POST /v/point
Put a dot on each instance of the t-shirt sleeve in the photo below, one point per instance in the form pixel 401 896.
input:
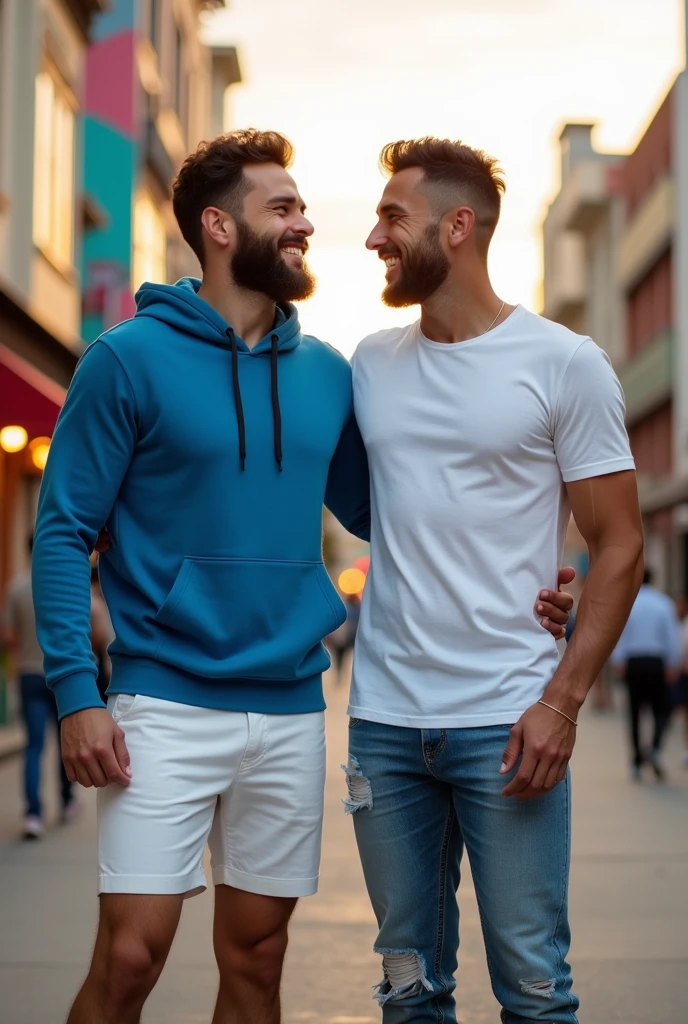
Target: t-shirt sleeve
pixel 589 432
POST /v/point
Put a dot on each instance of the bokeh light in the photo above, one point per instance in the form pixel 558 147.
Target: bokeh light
pixel 13 438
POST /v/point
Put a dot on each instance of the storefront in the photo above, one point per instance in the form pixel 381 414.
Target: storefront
pixel 35 370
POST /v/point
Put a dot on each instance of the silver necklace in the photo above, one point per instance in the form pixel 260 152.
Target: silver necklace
pixel 501 310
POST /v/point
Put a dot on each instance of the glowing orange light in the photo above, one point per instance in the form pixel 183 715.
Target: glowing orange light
pixel 13 439
pixel 352 581
pixel 39 448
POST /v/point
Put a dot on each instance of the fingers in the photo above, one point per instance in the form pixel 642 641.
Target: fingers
pixel 556 612
pixel 88 771
pixel 566 575
pixel 523 777
pixel 121 756
pixel 558 632
pixel 512 751
pixel 111 766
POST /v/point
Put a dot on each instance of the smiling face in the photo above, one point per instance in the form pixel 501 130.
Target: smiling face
pixel 272 236
pixel 407 238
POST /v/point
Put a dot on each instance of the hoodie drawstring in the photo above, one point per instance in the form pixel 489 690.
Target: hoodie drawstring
pixel 276 411
pixel 238 404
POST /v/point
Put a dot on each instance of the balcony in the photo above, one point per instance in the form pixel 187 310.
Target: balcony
pixel 647 377
pixel 648 234
pixel 565 289
pixel 584 195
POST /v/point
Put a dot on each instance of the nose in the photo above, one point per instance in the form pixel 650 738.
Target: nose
pixel 302 226
pixel 376 239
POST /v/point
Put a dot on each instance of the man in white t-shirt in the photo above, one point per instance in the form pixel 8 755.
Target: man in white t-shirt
pixel 485 427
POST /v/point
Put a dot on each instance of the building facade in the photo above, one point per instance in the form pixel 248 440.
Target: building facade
pixel 43 46
pixel 616 268
pixel 169 96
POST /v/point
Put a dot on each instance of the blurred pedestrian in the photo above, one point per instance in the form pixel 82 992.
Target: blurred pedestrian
pixel 679 691
pixel 648 657
pixel 38 707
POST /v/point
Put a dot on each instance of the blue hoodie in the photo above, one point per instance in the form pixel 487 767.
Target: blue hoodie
pixel 209 463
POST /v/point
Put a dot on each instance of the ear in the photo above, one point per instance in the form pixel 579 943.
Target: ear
pixel 219 226
pixel 460 225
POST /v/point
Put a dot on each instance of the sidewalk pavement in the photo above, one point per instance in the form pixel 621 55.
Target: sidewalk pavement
pixel 629 907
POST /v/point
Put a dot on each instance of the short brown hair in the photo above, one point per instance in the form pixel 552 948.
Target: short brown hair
pixel 214 176
pixel 451 170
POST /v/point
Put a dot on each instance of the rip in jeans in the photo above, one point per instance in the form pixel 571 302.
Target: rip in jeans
pixel 405 975
pixel 360 790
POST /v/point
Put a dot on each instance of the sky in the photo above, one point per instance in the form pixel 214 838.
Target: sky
pixel 341 79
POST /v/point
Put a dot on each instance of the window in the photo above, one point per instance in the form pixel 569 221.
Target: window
pixel 150 243
pixel 53 207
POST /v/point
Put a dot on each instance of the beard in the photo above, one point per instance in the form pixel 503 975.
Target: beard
pixel 422 271
pixel 258 266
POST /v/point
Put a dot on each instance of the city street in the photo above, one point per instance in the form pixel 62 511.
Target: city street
pixel 629 907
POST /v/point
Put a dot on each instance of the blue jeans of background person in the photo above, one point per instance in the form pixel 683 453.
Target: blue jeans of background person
pixel 418 797
pixel 38 709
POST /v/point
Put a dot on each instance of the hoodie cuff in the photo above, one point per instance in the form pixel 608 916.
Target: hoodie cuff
pixel 76 693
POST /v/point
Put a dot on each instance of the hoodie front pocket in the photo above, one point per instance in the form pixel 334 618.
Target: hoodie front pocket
pixel 249 618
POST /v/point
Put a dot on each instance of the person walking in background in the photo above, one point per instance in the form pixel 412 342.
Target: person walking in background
pixel 679 691
pixel 38 707
pixel 648 657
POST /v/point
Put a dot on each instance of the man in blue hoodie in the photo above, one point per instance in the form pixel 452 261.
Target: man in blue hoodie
pixel 205 434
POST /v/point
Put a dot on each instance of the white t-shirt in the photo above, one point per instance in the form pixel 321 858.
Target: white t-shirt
pixel 470 445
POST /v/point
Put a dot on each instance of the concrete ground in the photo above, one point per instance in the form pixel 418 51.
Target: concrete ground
pixel 629 907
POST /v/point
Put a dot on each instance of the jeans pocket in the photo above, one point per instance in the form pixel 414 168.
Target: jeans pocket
pixel 354 722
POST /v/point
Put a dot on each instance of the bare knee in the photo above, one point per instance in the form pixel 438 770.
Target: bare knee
pixel 133 941
pixel 259 963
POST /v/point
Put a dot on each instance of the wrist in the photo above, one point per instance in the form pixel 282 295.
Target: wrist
pixel 568 701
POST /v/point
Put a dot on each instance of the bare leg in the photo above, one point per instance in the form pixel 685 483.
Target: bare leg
pixel 250 937
pixel 134 937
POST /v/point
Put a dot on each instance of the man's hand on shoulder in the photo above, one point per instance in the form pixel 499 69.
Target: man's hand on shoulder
pixel 93 749
pixel 554 607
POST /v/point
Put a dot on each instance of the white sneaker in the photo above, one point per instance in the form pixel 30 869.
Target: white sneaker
pixel 33 827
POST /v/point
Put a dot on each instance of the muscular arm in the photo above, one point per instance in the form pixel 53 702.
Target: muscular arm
pixel 606 512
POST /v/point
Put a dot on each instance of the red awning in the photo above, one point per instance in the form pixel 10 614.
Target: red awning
pixel 28 398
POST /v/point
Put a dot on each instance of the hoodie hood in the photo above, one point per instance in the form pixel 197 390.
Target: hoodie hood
pixel 180 306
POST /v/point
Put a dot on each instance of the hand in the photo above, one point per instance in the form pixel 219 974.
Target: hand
pixel 103 543
pixel 555 606
pixel 93 749
pixel 545 739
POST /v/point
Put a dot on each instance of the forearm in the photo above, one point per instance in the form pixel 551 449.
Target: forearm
pixel 62 600
pixel 613 582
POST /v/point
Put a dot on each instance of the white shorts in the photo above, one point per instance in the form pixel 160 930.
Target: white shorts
pixel 251 786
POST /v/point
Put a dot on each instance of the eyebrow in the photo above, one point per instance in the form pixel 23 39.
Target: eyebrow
pixel 289 200
pixel 391 208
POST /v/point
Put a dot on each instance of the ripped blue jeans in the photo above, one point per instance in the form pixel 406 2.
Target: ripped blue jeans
pixel 417 798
